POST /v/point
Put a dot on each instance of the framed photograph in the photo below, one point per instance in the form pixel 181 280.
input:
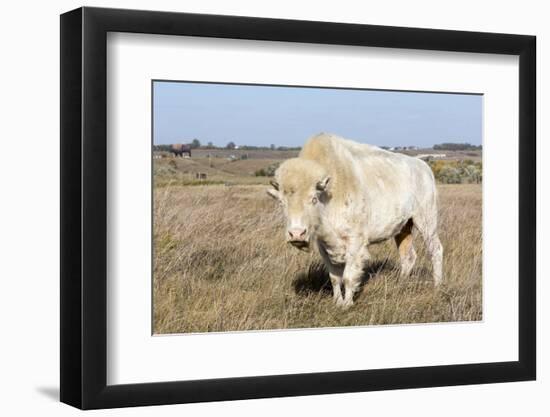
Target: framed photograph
pixel 258 208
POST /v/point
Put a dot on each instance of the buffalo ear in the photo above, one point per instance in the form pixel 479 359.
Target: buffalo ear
pixel 274 192
pixel 322 185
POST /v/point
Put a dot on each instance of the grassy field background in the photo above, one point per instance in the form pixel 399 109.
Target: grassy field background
pixel 221 264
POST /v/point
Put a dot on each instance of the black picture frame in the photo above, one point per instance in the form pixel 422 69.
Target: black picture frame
pixel 84 207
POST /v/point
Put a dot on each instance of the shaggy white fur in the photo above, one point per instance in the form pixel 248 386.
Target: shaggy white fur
pixel 344 196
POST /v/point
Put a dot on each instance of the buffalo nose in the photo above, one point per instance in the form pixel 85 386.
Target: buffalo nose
pixel 297 233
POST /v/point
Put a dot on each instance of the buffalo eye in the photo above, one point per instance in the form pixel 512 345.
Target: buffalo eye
pixel 314 200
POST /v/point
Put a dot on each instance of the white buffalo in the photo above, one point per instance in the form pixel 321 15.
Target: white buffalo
pixel 344 196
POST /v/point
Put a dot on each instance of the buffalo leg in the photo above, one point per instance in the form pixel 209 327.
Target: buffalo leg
pixel 353 273
pixel 407 254
pixel 427 226
pixel 436 252
pixel 335 273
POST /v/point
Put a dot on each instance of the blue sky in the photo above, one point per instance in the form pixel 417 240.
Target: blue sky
pixel 287 116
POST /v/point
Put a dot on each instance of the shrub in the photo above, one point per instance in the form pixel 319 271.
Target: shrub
pixel 268 171
pixel 457 172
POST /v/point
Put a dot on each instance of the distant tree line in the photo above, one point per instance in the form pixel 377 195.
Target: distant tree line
pixel 162 148
pixel 271 147
pixel 456 147
pixel 195 144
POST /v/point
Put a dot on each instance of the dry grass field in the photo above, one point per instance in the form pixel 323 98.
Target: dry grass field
pixel 221 263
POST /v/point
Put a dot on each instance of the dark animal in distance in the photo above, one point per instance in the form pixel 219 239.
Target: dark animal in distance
pixel 179 149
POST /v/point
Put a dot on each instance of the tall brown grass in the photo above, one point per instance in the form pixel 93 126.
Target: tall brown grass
pixel 221 264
